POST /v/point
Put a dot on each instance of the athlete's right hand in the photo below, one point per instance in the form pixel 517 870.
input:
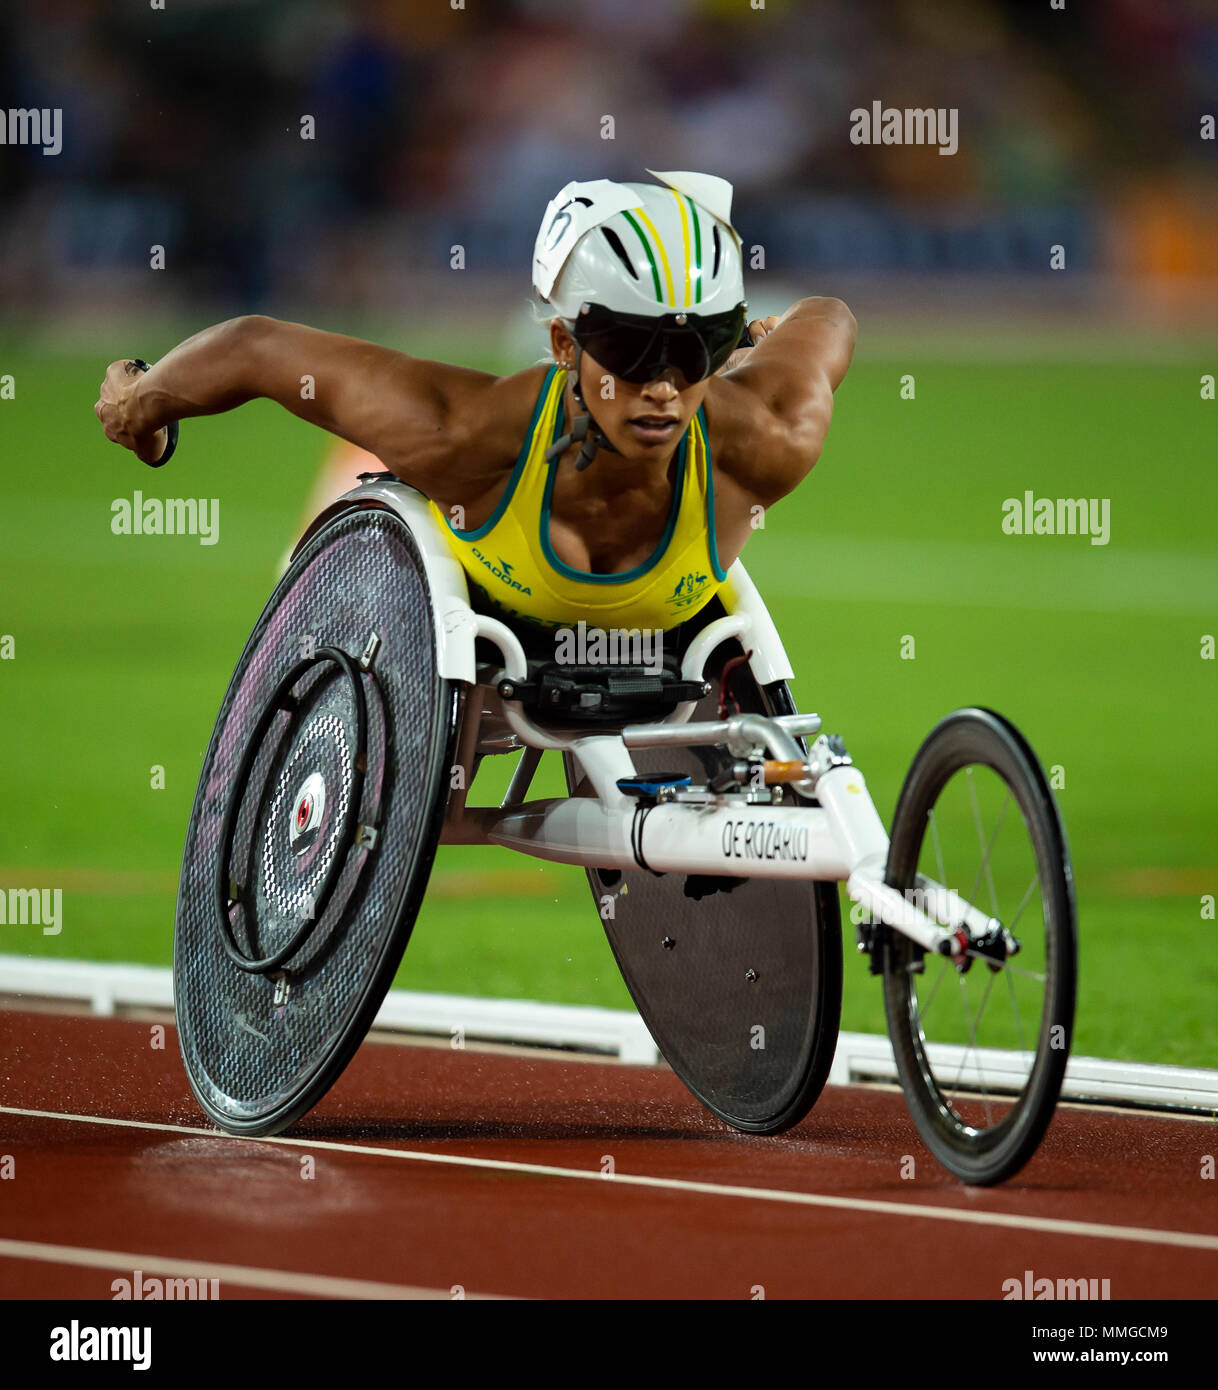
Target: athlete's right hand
pixel 119 419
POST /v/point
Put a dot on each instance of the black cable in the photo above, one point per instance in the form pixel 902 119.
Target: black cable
pixel 641 812
pixel 583 428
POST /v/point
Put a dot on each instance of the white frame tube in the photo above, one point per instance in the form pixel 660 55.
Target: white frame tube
pixel 842 839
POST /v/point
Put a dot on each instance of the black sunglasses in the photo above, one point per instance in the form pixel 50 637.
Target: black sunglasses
pixel 638 349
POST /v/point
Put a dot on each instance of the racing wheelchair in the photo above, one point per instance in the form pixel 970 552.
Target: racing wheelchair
pixel 714 822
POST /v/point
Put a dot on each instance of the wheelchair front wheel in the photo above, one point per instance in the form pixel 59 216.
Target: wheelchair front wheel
pixel 981 1039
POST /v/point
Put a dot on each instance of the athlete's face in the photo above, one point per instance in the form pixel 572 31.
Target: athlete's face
pixel 646 422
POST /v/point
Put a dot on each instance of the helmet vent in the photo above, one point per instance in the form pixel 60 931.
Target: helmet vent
pixel 715 265
pixel 615 243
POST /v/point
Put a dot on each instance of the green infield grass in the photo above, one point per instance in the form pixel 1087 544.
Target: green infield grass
pixel 898 594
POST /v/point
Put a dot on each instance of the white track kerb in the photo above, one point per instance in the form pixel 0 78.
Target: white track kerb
pixel 109 990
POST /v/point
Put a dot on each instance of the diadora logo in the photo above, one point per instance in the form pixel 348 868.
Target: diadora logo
pixel 689 586
pixel 502 570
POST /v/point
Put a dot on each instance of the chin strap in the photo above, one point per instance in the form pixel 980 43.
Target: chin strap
pixel 584 429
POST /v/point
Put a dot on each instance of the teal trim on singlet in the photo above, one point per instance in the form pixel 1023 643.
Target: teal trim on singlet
pixel 712 539
pixel 587 576
pixel 521 459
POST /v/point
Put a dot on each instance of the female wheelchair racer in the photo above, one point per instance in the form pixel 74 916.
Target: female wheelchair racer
pixel 645 276
pixel 693 431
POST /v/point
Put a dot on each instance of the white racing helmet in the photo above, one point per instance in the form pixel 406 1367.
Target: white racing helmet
pixel 659 248
pixel 645 276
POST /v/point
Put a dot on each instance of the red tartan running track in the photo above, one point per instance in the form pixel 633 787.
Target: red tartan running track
pixel 433 1169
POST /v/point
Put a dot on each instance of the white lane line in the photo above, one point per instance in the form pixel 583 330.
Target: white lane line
pixel 281 1280
pixel 1051 1225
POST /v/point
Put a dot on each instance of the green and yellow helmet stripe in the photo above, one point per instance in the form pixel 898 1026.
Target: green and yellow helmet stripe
pixel 684 243
pixel 693 214
pixel 692 264
pixel 651 227
pixel 655 273
pixel 659 245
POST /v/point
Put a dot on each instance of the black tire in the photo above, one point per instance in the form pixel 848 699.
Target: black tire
pixel 948 1111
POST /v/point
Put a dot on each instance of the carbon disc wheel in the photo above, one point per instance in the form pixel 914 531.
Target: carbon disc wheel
pixel 739 981
pixel 314 826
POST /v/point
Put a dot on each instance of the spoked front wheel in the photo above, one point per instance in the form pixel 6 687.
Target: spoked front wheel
pixel 981 1037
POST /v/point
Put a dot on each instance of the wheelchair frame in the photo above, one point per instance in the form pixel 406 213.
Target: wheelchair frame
pixel 836 835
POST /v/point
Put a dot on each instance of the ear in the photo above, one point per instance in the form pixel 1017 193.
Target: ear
pixel 562 345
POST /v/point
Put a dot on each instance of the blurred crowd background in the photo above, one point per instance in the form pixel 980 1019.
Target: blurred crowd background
pixel 437 127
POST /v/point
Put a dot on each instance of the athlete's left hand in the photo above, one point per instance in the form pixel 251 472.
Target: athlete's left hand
pixel 758 330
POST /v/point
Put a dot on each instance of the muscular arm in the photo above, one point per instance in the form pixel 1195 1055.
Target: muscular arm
pixel 779 400
pixel 414 415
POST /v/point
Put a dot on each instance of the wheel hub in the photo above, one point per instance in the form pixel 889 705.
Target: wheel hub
pixel 307 817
